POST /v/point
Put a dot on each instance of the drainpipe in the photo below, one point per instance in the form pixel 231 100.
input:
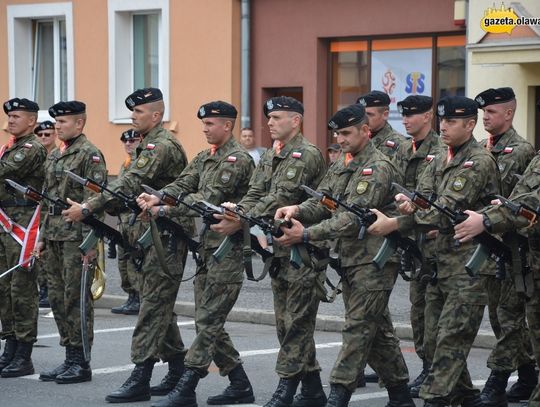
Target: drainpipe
pixel 245 102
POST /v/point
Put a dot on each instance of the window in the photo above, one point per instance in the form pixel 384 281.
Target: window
pixel 138 52
pixel 40 49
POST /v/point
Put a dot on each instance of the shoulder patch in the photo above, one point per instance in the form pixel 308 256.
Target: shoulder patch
pixel 508 150
pixel 362 187
pixel 430 157
pixel 390 143
pixel 150 146
pixel 19 156
pixel 231 159
pixel 367 171
pixel 142 161
pixel 296 154
pixel 96 159
pixel 468 164
pixel 291 173
pixel 27 145
pixel 459 183
pixel 226 176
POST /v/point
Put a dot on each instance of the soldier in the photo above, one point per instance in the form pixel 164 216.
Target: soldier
pixel 22 160
pixel 362 176
pixel 129 275
pixel 466 177
pixel 160 159
pixel 275 183
pixel 61 242
pixel 506 309
pixel 411 158
pixel 499 219
pixel 216 175
pixel 334 151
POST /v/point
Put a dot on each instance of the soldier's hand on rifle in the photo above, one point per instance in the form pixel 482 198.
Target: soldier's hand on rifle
pixel 496 202
pixel 287 212
pixel 75 212
pixel 470 227
pixel 227 226
pixel 405 206
pixel 292 235
pixel 147 201
pixel 383 225
pixel 229 205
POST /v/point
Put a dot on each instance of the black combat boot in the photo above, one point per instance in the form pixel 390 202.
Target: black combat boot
pixel 527 381
pixel 176 368
pixel 474 400
pixel 44 296
pixel 184 393
pixel 285 391
pixel 361 380
pixel 435 403
pixel 371 377
pixel 399 396
pixel 414 386
pixel 136 387
pixel 132 307
pixel 121 309
pixel 311 392
pixel 21 365
pixel 238 392
pixel 50 375
pixel 79 371
pixel 339 396
pixel 494 392
pixel 9 352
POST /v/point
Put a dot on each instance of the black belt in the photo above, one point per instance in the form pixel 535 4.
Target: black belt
pixel 55 210
pixel 13 203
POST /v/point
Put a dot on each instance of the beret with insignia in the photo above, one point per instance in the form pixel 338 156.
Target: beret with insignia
pixel 67 108
pixel 17 104
pixel 143 96
pixel 334 147
pixel 415 104
pixel 217 109
pixel 46 125
pixel 129 135
pixel 346 117
pixel 283 103
pixel 373 99
pixel 493 96
pixel 456 107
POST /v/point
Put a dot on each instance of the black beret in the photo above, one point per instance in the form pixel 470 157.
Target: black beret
pixel 283 103
pixel 334 147
pixel 129 134
pixel 456 107
pixel 143 96
pixel 493 96
pixel 348 116
pixel 217 109
pixel 16 104
pixel 67 108
pixel 46 125
pixel 373 99
pixel 415 104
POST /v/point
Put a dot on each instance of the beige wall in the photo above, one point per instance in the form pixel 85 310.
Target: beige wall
pixel 204 65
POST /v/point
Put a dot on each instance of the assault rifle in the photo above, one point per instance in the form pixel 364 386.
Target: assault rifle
pixel 488 245
pixel 99 229
pixel 393 242
pixel 521 210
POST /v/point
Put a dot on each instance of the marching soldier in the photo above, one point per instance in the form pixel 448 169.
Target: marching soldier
pixel 61 242
pixel 362 176
pixel 275 183
pixel 216 175
pixel 20 159
pixel 160 159
pixel 506 309
pixel 466 177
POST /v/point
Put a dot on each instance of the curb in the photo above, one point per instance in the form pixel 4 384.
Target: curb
pixel 484 339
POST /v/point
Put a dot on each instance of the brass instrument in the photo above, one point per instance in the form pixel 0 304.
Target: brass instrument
pixel 100 278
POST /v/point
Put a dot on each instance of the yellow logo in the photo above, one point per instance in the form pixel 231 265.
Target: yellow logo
pixel 502 20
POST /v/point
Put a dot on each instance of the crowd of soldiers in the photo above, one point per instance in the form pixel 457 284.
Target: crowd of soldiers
pixel 455 171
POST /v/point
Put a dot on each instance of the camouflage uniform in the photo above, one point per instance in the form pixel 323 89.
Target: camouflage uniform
pixel 23 163
pixel 222 177
pixel 454 302
pixel 411 164
pixel 274 184
pixel 506 308
pixel 63 261
pixel 367 334
pixel 387 140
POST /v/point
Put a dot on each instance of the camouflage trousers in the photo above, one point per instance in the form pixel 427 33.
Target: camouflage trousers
pixel 297 296
pixel 129 275
pixel 41 271
pixel 417 297
pixel 156 335
pixel 454 310
pixel 217 286
pixel 507 318
pixel 18 294
pixel 368 334
pixel 64 271
pixel 533 319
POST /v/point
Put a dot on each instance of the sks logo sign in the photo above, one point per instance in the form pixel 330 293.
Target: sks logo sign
pixel 415 83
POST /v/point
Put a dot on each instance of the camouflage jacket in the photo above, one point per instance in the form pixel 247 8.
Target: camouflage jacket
pixel 387 140
pixel 469 181
pixel 366 182
pixel 513 153
pixel 84 159
pixel 218 178
pixel 22 163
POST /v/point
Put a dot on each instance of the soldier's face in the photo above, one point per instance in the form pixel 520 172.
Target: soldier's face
pixel 283 124
pixel 46 137
pixel 377 117
pixel 21 123
pixel 216 130
pixel 415 124
pixel 496 117
pixel 455 132
pixel 333 155
pixel 353 139
pixel 68 127
pixel 143 118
